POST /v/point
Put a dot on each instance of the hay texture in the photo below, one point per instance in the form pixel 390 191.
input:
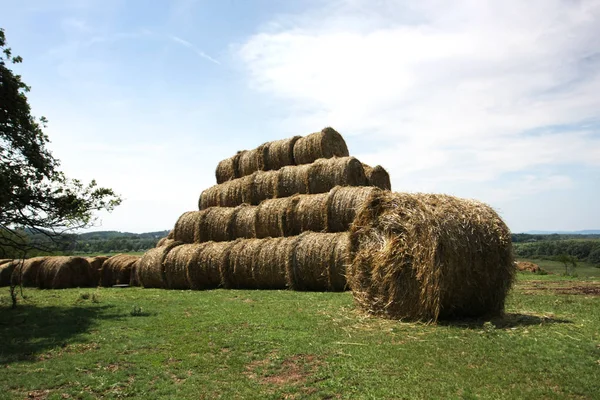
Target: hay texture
pixel 117 270
pixel 175 265
pixel 343 204
pixel 26 273
pixel 252 160
pixel 325 144
pixel 6 270
pixel 377 176
pixel 272 217
pixel 187 227
pixel 325 174
pixel 292 180
pixel 241 264
pixel 307 213
pixel 64 273
pixel 151 273
pixel 208 265
pixel 243 222
pixel 424 257
pixel 133 276
pixel 96 268
pixel 280 153
pixel 228 169
pixel 318 261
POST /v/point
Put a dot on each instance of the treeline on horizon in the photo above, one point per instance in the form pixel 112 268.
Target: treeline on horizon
pixel 584 248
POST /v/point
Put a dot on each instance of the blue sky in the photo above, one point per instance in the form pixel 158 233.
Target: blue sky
pixel 497 102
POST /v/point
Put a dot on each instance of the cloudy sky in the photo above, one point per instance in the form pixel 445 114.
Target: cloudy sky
pixel 497 101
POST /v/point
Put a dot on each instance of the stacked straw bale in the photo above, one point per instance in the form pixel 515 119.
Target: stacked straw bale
pixel 96 268
pixel 64 273
pixel 117 270
pixel 425 256
pixel 377 176
pixel 26 273
pixel 150 270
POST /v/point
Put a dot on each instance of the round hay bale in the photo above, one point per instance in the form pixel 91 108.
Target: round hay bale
pixel 26 274
pixel 187 227
pixel 176 265
pixel 151 273
pixel 236 192
pixel 272 217
pixel 313 261
pixel 377 176
pixel 5 261
pixel 325 144
pixel 117 270
pixel 133 276
pixel 211 197
pixel 64 273
pixel 341 259
pixel 280 153
pixel 325 174
pixel 96 268
pixel 264 186
pixel 242 224
pixel 228 169
pixel 241 263
pixel 309 214
pixel 292 180
pixel 421 256
pixel 208 268
pixel 251 161
pixel 343 203
pixel 269 266
pixel 216 224
pixel 6 270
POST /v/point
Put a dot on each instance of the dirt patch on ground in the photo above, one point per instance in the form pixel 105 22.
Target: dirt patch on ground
pixel 294 370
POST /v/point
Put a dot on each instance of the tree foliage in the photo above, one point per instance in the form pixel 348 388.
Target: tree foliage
pixel 34 194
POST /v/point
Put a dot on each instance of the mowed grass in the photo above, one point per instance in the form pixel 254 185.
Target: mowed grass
pixel 144 343
pixel 583 269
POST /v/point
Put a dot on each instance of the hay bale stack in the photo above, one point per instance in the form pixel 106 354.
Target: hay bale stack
pixel 377 176
pixel 187 227
pixel 343 204
pixel 133 276
pixel 208 267
pixel 228 169
pixel 325 174
pixel 421 256
pixel 64 273
pixel 151 273
pixel 318 261
pixel 309 213
pixel 215 224
pixel 176 264
pixel 117 270
pixel 280 153
pixel 262 186
pixel 96 268
pixel 325 144
pixel 251 161
pixel 269 265
pixel 292 180
pixel 241 264
pixel 243 222
pixel 26 274
pixel 6 270
pixel 272 217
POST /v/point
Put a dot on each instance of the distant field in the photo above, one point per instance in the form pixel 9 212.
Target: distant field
pixel 146 343
pixel 583 269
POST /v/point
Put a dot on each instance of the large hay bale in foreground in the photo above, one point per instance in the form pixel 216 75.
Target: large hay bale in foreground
pixel 319 261
pixel 325 144
pixel 96 268
pixel 377 176
pixel 133 276
pixel 151 272
pixel 240 264
pixel 117 270
pixel 26 274
pixel 6 270
pixel 64 273
pixel 422 256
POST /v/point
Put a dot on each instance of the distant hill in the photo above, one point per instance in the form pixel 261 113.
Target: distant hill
pixel 584 232
pixel 117 234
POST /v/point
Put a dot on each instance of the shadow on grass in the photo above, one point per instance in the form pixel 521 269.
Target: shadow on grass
pixel 29 330
pixel 508 320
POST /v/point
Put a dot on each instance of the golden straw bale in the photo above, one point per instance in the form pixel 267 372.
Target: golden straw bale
pixel 263 186
pixel 133 276
pixel 208 269
pixel 26 273
pixel 241 262
pixel 377 176
pixel 425 256
pixel 280 153
pixel 151 272
pixel 176 265
pixel 325 174
pixel 242 224
pixel 269 266
pixel 211 197
pixel 343 203
pixel 64 273
pixel 117 270
pixel 272 217
pixel 6 270
pixel 341 259
pixel 325 144
pixel 309 214
pixel 292 180
pixel 96 268
pixel 215 225
pixel 187 227
pixel 228 169
pixel 251 161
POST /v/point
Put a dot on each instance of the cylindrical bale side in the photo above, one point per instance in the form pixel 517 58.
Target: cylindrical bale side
pixel 263 187
pixel 272 217
pixel 133 276
pixel 96 268
pixel 6 270
pixel 280 153
pixel 251 161
pixel 309 214
pixel 151 272
pixel 343 203
pixel 228 169
pixel 176 264
pixel 216 225
pixel 187 227
pixel 424 257
pixel 208 269
pixel 211 197
pixel 341 258
pixel 243 222
pixel 242 258
pixel 26 273
pixel 269 267
pixel 64 273
pixel 325 144
pixel 377 176
pixel 117 270
pixel 325 174
pixel 292 180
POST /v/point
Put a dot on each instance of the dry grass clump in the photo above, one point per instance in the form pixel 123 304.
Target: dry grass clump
pixel 308 213
pixel 150 267
pixel 272 217
pixel 343 203
pixel 422 256
pixel 96 268
pixel 26 274
pixel 228 169
pixel 117 270
pixel 377 176
pixel 325 174
pixel 207 270
pixel 318 262
pixel 325 144
pixel 63 273
pixel 280 153
pixel 6 270
pixel 176 264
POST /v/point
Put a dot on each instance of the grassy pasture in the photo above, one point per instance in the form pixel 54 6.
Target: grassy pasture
pixel 583 270
pixel 144 343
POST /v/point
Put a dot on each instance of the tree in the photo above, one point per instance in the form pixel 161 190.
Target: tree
pixel 36 198
pixel 568 261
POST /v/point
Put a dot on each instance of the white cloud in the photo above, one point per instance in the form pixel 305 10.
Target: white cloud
pixel 467 91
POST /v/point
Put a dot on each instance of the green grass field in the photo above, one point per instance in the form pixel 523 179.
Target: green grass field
pixel 144 343
pixel 583 269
